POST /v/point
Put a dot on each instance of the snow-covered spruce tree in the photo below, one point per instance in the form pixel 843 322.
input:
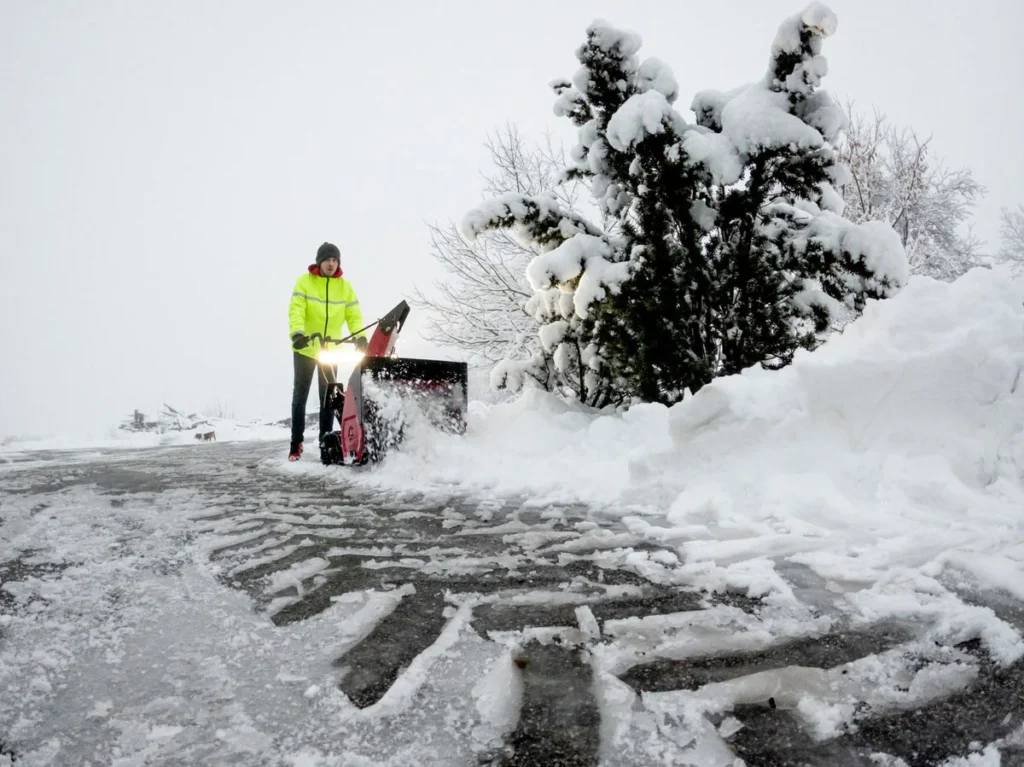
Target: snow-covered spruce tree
pixel 895 177
pixel 485 306
pixel 728 248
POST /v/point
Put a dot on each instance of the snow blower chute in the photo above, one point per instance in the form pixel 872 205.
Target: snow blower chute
pixel 382 392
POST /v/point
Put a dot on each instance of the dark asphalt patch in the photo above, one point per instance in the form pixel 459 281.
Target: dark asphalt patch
pixel 372 666
pixel 511 617
pixel 22 569
pixel 826 652
pixel 559 720
pixel 987 711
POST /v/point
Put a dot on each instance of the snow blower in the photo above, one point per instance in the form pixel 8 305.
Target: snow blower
pixel 383 389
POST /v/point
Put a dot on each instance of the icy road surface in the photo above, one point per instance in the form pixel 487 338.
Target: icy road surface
pixel 204 605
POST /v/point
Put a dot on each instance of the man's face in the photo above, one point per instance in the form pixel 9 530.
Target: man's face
pixel 329 266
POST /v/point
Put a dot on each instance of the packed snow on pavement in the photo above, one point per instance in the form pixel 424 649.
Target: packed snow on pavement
pixel 876 480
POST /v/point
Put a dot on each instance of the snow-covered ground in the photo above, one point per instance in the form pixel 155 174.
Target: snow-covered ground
pixel 225 429
pixel 876 481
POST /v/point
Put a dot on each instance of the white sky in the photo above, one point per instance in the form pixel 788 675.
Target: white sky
pixel 168 169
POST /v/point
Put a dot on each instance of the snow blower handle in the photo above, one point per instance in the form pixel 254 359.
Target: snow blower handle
pixel 349 339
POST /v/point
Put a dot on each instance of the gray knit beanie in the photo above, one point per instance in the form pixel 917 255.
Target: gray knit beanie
pixel 325 251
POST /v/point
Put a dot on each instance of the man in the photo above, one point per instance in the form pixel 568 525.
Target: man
pixel 322 301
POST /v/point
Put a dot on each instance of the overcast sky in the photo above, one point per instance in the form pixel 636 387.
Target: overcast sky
pixel 168 169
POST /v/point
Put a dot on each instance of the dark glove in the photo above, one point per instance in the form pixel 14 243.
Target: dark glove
pixel 361 344
pixel 300 341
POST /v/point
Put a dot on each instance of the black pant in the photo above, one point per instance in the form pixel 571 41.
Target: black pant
pixel 305 367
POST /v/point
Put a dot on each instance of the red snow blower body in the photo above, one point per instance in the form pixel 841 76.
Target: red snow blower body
pixel 384 390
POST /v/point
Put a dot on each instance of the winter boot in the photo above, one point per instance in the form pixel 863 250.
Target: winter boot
pixel 295 453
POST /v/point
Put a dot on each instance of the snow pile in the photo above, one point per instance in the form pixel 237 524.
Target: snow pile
pixel 899 444
pixel 931 374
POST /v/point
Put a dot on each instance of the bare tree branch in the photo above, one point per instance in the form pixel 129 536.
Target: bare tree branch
pixel 482 306
pixel 1011 232
pixel 896 178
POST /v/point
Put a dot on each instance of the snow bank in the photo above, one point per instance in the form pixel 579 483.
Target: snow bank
pixel 931 375
pixel 537 444
pixel 927 378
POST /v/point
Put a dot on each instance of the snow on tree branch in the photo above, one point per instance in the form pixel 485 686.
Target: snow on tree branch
pixel 643 114
pixel 871 251
pixel 759 119
pixel 542 219
pixel 656 75
pixel 796 66
pixel 586 260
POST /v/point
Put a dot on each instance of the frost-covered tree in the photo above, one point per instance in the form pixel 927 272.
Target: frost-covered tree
pixel 728 248
pixel 1011 232
pixel 895 177
pixel 486 306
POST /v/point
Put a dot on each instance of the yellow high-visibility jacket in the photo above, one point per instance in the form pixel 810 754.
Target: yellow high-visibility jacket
pixel 321 305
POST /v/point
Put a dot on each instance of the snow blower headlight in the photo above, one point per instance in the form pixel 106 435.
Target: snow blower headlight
pixel 341 356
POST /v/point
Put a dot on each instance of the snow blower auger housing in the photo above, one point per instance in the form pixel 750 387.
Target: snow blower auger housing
pixel 372 410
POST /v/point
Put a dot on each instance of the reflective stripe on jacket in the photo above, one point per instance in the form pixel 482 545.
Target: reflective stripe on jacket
pixel 322 305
